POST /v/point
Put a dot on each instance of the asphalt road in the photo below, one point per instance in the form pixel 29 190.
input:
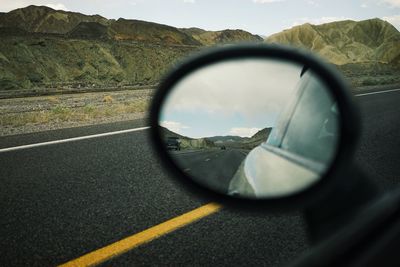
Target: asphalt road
pixel 378 151
pixel 211 167
pixel 61 201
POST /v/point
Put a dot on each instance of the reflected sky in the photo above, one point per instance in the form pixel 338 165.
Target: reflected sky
pixel 236 97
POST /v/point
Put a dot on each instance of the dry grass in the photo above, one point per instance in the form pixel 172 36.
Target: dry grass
pixel 79 114
pixel 53 99
pixel 108 99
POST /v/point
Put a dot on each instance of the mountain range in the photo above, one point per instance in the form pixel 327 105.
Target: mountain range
pixel 42 19
pixel 345 42
pixel 43 47
pixel 232 141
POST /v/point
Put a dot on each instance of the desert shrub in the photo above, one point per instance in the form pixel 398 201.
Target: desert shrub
pixel 80 63
pixel 7 84
pixel 35 77
pixel 53 99
pixel 89 108
pixel 369 81
pixel 60 110
pixel 108 99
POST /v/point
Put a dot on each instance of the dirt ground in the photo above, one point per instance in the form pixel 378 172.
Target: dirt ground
pixel 42 113
pixel 33 114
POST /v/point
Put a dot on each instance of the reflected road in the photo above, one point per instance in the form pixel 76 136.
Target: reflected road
pixel 212 167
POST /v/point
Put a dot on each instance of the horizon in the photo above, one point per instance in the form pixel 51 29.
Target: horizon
pixel 251 20
pixel 263 36
pixel 212 136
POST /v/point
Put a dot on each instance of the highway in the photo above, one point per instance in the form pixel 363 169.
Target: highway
pixel 211 167
pixel 63 200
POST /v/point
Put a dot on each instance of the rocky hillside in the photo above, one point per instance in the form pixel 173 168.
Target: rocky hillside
pixel 346 42
pixel 143 31
pixel 187 142
pixel 41 19
pixel 56 62
pixel 366 52
pixel 242 142
pixel 261 135
pixel 43 47
pixel 221 37
pixel 251 142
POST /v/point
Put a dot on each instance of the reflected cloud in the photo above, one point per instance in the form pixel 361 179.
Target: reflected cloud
pixel 242 87
pixel 244 132
pixel 174 126
pixel 235 97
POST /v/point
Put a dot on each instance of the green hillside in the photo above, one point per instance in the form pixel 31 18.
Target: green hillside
pixel 221 37
pixel 143 31
pixel 187 142
pixel 38 61
pixel 367 52
pixel 41 19
pixel 43 47
pixel 346 42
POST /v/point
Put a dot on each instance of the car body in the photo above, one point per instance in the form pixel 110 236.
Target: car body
pixel 298 149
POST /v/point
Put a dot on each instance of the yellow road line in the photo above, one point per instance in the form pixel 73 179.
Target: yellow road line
pixel 119 247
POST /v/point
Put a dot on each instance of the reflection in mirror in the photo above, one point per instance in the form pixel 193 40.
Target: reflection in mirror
pixel 251 128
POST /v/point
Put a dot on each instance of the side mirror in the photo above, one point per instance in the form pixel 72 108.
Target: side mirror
pixel 255 123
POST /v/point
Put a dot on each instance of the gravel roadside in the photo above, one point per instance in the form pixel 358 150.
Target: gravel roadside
pixel 35 114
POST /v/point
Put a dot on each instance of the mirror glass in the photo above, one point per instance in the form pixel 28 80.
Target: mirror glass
pixel 251 128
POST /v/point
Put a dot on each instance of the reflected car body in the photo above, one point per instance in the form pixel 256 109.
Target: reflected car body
pixel 297 151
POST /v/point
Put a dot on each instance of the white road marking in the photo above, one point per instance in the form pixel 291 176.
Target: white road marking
pixel 72 139
pixel 379 92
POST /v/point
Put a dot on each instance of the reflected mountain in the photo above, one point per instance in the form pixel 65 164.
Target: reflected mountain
pixel 187 143
pixel 217 142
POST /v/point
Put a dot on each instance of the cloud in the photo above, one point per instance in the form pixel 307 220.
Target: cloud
pixel 394 20
pixel 267 1
pixel 7 6
pixel 364 5
pixel 189 1
pixel 392 3
pixel 174 126
pixel 57 6
pixel 312 3
pixel 317 21
pixel 236 96
pixel 244 132
pixel 249 88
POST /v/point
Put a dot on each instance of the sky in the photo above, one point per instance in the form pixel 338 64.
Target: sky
pixel 238 97
pixel 263 17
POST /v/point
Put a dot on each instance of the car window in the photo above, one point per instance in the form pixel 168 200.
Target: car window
pixel 278 131
pixel 316 141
